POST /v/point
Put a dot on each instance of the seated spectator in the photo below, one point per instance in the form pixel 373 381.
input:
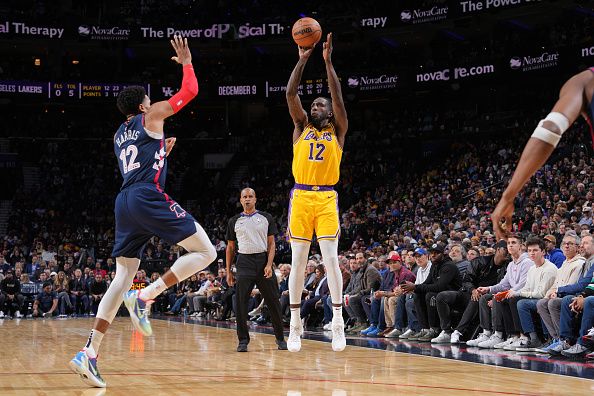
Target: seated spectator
pixel 405 308
pixel 354 288
pixel 11 299
pixel 384 301
pixel 583 302
pixel 46 303
pixel 370 280
pixel 554 254
pixel 97 290
pixel 539 279
pixel 62 288
pixel 444 275
pixel 515 279
pixel 549 308
pixel 196 294
pixel 317 289
pixel 78 289
pixel 481 272
pixel 458 256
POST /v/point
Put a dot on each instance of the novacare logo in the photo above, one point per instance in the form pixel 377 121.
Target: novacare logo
pixel 527 63
pixel 101 33
pixel 418 15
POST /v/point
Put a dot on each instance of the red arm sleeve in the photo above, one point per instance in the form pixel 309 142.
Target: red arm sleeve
pixel 188 91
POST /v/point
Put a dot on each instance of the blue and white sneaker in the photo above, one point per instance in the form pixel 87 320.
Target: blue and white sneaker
pixel 139 311
pixel 86 367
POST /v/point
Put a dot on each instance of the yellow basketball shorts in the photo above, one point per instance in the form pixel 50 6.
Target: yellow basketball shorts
pixel 313 211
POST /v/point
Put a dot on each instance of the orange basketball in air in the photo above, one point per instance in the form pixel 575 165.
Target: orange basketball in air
pixel 306 32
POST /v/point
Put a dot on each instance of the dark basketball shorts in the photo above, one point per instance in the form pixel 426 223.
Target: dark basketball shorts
pixel 142 211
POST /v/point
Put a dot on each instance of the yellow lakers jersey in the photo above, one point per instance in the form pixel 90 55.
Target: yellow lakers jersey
pixel 316 156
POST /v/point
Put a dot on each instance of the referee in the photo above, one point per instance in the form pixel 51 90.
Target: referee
pixel 254 233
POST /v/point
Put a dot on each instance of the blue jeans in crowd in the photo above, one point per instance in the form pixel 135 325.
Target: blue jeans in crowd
pixel 376 314
pixel 566 323
pixel 405 312
pixel 526 310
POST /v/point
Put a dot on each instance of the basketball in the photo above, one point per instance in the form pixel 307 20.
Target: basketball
pixel 306 32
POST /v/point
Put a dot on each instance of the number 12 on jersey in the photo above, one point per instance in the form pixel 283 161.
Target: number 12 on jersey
pixel 319 148
pixel 131 151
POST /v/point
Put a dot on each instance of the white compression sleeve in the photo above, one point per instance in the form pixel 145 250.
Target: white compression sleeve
pixel 299 252
pixel 201 254
pixel 548 136
pixel 329 251
pixel 110 303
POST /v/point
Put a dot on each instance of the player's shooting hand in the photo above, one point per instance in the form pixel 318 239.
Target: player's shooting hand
pixel 305 52
pixel 180 45
pixel 327 52
pixel 502 217
pixel 169 143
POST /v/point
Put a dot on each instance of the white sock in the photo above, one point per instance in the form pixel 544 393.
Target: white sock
pixel 487 333
pixel 329 250
pixel 93 343
pixel 499 334
pixel 295 316
pixel 153 290
pixel 299 252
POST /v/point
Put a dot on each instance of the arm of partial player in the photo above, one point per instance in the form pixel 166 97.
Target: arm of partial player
pixel 341 121
pixel 159 111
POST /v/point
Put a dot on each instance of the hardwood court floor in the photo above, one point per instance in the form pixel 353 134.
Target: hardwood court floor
pixel 185 359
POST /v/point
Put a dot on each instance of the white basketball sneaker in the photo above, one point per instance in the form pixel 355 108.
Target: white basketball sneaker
pixel 294 340
pixel 338 338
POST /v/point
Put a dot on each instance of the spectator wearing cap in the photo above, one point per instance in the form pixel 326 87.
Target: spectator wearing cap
pixel 482 271
pixel 514 279
pixel 405 307
pixel 46 302
pixel 390 297
pixel 553 254
pixel 444 276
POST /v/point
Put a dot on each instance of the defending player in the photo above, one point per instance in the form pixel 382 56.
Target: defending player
pixel 575 98
pixel 317 151
pixel 143 209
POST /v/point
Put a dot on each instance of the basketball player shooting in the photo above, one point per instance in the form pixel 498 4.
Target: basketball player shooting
pixel 575 98
pixel 313 207
pixel 143 209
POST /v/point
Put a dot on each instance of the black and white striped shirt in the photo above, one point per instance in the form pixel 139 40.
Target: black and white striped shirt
pixel 251 231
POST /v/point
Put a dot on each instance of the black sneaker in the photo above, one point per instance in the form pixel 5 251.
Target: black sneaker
pixel 242 348
pixel 282 345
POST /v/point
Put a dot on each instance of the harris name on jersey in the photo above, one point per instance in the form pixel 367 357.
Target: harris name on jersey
pixel 128 134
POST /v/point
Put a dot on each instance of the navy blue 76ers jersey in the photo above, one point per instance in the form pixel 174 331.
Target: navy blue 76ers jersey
pixel 141 158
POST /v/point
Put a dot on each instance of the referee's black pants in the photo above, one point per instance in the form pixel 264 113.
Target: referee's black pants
pixel 250 272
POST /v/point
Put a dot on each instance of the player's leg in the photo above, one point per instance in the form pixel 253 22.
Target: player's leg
pixel 85 362
pixel 200 254
pixel 300 232
pixel 327 227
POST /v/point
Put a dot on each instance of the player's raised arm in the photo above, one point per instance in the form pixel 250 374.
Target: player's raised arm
pixel 540 146
pixel 296 110
pixel 189 88
pixel 341 121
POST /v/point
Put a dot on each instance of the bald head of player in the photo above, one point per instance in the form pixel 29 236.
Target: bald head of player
pixel 321 112
pixel 133 100
pixel 248 200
